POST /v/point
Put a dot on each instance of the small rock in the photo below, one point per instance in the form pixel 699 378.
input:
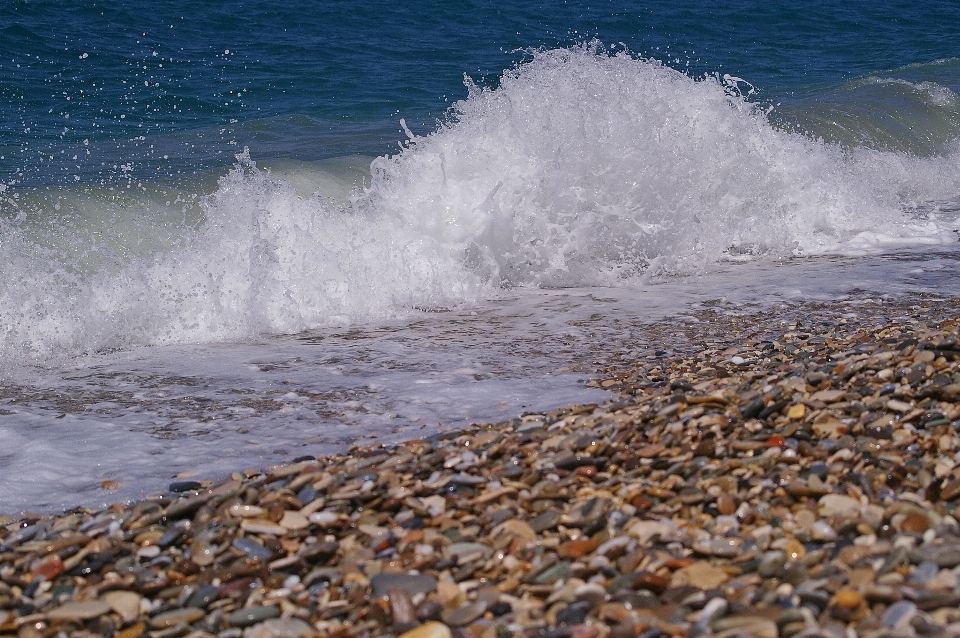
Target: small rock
pixel 240 510
pixel 578 548
pixel 176 617
pixel 560 571
pixel 831 504
pixel 701 574
pixel 280 628
pixel 125 603
pixel 204 595
pixel 432 629
pixel 402 610
pixel 915 524
pixel 590 593
pixel 848 598
pixel 944 555
pixel 79 611
pixel 185 486
pixel 463 615
pixel 411 583
pixel 650 451
pixel 256 526
pixel 294 520
pixel 251 615
pixel 726 505
pixel 547 519
pixel 899 614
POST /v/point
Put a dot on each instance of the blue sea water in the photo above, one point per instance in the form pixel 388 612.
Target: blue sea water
pixel 178 86
pixel 183 185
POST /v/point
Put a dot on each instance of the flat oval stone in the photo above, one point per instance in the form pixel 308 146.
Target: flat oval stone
pixel 822 531
pixel 547 519
pixel 432 629
pixel 323 518
pixel 460 550
pixel 946 555
pixel 463 615
pixel 923 573
pixel 831 504
pixel 202 552
pixel 915 524
pixel 590 593
pixel 402 610
pixel 579 547
pixel 205 595
pixel 251 616
pixel 899 614
pixel 262 527
pixel 280 628
pixel 467 479
pixel 560 571
pixel 411 583
pixel 250 548
pixel 722 547
pixel 185 486
pixel 240 510
pixel 125 603
pixel 848 598
pixel 176 617
pixel 294 520
pixel 79 611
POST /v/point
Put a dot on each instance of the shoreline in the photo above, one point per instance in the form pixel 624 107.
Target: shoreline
pixel 788 472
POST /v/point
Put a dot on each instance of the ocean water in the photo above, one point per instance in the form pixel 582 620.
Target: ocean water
pixel 232 234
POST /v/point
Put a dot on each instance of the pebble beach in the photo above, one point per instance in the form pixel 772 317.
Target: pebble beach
pixel 782 472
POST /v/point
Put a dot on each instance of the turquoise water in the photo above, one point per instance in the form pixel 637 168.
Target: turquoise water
pixel 235 232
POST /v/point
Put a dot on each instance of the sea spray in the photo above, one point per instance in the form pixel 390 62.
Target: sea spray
pixel 581 168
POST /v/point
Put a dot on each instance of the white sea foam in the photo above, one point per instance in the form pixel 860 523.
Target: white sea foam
pixel 580 169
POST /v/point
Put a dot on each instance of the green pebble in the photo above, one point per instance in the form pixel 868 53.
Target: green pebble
pixel 247 617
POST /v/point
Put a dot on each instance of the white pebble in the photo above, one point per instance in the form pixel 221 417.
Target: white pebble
pixel 324 518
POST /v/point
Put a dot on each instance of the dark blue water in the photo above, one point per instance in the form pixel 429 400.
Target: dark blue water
pixel 100 91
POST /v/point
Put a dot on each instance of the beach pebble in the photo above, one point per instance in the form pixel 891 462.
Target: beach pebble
pixel 78 611
pixel 252 615
pixel 382 583
pixel 176 617
pixel 899 614
pixel 280 628
pixel 125 603
pixel 431 629
pixel 705 506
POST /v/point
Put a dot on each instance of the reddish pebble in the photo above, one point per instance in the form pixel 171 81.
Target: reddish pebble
pixel 188 568
pixel 848 598
pixel 236 586
pixel 587 470
pixel 776 441
pixel 915 524
pixel 654 582
pixel 584 631
pixel 650 451
pixel 726 505
pixel 49 567
pixel 577 548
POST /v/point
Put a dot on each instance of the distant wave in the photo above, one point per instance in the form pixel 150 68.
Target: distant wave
pixel 914 109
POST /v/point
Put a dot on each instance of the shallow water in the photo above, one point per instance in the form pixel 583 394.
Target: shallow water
pixel 140 418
